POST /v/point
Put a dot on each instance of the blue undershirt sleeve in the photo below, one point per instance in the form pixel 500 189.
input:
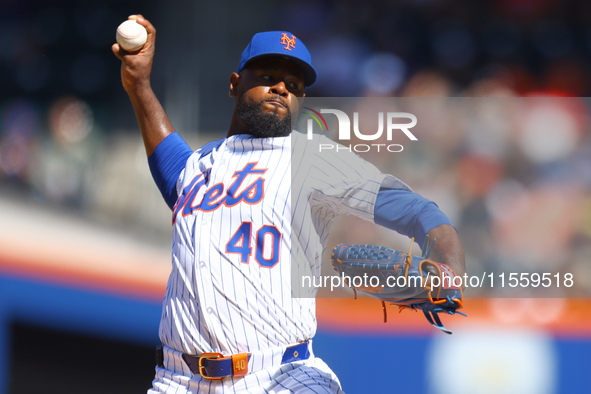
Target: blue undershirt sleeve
pixel 166 164
pixel 407 213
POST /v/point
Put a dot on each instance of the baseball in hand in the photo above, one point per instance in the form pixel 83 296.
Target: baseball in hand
pixel 131 36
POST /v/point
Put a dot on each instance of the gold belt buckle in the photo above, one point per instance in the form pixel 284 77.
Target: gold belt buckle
pixel 202 358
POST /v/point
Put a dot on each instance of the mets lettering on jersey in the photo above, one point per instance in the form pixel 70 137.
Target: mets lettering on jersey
pixel 214 196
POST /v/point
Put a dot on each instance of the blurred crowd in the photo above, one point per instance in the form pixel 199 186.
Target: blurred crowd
pixel 509 169
pixel 445 47
pixel 50 155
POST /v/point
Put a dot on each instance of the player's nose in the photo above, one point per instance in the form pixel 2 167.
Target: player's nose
pixel 280 89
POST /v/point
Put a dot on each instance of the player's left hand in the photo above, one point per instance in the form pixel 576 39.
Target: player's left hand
pixel 425 285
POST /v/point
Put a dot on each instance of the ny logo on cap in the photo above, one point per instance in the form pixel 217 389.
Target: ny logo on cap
pixel 288 42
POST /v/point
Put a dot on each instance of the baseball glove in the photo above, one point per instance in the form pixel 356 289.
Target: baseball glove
pixel 400 278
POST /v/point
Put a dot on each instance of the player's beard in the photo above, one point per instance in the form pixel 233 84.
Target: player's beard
pixel 262 124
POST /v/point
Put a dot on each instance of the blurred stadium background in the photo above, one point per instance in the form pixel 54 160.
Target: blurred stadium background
pixel 85 237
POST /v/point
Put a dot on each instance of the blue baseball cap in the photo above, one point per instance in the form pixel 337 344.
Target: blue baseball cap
pixel 283 44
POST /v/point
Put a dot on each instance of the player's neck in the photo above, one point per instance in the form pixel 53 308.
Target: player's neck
pixel 236 126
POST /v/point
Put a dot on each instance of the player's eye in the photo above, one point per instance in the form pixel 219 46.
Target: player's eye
pixel 267 77
pixel 295 87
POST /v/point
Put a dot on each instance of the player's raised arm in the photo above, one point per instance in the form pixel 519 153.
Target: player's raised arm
pixel 166 156
pixel 135 77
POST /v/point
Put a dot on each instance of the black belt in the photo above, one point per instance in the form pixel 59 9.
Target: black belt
pixel 215 366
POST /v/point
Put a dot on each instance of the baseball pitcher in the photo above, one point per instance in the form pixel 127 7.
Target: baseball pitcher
pixel 229 322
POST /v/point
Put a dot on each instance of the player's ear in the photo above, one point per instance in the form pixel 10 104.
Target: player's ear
pixel 234 82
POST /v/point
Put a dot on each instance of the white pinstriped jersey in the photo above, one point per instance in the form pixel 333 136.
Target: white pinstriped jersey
pixel 235 239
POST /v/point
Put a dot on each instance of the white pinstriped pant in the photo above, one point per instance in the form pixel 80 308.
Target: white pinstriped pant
pixel 306 376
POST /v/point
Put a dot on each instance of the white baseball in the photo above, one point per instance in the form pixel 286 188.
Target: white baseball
pixel 131 36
